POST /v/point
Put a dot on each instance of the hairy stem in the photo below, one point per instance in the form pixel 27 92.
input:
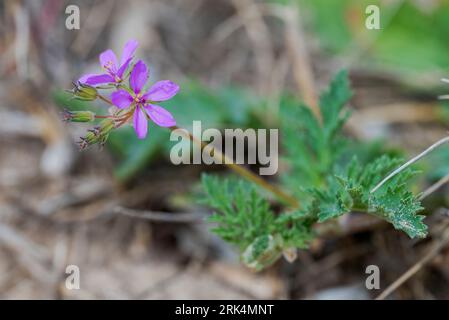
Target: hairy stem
pixel 242 171
pixel 105 99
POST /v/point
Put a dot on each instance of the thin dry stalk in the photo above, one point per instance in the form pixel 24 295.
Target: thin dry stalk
pixel 297 51
pixel 259 35
pixel 302 68
pixel 410 162
pixel 417 266
pixel 160 216
pixel 434 187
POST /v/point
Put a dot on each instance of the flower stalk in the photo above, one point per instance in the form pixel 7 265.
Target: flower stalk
pixel 242 171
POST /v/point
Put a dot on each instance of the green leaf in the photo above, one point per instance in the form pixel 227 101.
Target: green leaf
pixel 393 203
pixel 296 228
pixel 313 149
pixel 330 206
pixel 399 207
pixel 332 102
pixel 240 212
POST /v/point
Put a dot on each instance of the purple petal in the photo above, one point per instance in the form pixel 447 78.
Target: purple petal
pixel 123 68
pixel 140 123
pixel 128 51
pixel 139 76
pixel 121 98
pixel 160 116
pixel 108 60
pixel 162 90
pixel 97 79
pixel 84 77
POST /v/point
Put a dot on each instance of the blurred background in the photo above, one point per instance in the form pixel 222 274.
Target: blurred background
pixel 110 211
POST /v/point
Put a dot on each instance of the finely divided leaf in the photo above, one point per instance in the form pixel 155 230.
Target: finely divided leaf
pixel 332 102
pixel 241 213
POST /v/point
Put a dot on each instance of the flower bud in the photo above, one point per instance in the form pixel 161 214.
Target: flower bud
pixel 106 126
pixel 78 116
pixel 84 92
pixel 262 252
pixel 98 134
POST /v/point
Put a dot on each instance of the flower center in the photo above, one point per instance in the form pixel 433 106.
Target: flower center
pixel 138 99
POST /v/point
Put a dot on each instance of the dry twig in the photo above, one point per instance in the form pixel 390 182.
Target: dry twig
pixel 160 216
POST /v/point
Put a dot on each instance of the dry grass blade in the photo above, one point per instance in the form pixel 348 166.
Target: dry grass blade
pixel 434 187
pixel 410 162
pixel 259 36
pixel 160 216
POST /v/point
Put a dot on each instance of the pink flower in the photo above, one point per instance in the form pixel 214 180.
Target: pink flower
pixel 114 71
pixel 144 102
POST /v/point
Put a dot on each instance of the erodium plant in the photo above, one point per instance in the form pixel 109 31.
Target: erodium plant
pixel 325 178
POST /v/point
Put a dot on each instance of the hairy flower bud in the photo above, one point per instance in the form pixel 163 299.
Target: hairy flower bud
pixel 84 92
pixel 78 116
